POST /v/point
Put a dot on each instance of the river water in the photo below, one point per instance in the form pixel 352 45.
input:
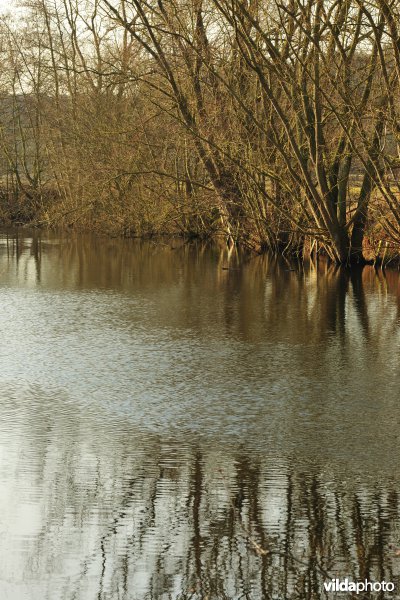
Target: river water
pixel 180 421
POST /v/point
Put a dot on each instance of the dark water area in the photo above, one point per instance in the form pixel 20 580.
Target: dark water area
pixel 185 422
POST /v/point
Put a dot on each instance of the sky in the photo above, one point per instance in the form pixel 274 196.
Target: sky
pixel 6 5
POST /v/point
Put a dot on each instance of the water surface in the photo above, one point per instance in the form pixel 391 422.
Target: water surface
pixel 180 421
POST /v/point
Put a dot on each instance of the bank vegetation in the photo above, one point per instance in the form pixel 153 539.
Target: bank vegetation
pixel 273 124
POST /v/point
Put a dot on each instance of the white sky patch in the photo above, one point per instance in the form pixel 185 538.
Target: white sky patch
pixel 8 6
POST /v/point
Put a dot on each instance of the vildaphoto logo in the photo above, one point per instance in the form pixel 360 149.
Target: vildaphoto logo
pixel 345 585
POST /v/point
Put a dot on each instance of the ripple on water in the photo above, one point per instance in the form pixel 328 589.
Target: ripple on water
pixel 162 422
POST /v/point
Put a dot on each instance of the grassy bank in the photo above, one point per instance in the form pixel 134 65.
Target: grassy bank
pixel 48 210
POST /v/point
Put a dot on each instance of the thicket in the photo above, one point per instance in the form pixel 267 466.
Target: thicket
pixel 273 123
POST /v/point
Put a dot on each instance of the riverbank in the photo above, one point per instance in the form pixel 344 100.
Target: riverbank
pixel 48 210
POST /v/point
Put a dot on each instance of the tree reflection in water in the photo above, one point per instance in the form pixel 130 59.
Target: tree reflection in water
pixel 123 515
pixel 172 430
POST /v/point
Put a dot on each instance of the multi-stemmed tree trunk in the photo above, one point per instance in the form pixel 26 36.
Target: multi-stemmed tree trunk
pixel 317 65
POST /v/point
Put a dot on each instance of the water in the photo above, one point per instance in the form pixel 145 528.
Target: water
pixel 171 428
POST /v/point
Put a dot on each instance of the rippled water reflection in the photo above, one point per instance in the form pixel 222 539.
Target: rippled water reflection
pixel 164 419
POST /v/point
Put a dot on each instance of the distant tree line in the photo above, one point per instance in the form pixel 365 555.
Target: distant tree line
pixel 272 123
